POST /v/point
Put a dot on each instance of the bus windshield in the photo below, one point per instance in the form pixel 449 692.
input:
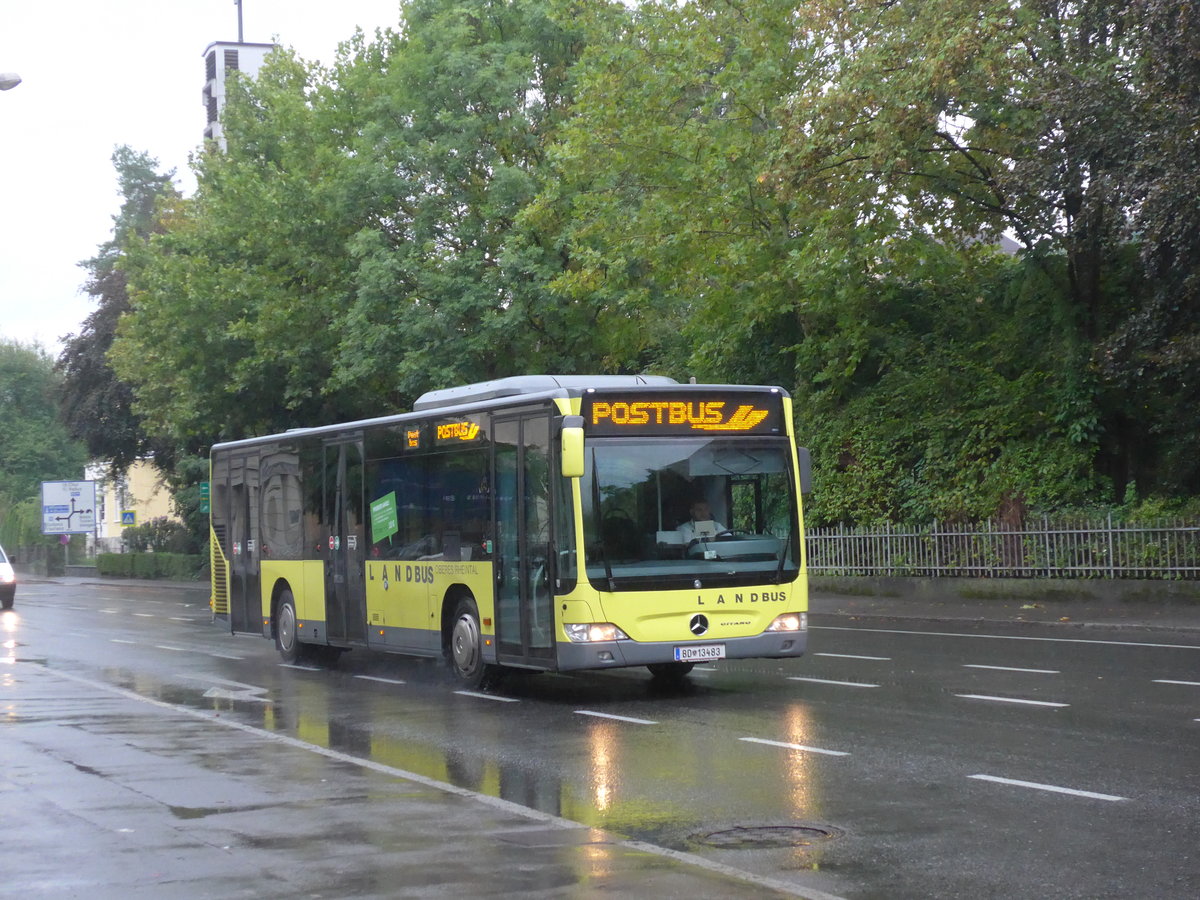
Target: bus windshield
pixel 688 512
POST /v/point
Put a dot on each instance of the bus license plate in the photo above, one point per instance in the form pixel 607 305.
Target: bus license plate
pixel 700 653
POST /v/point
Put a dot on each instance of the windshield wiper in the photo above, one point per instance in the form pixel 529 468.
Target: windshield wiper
pixel 600 522
pixel 783 553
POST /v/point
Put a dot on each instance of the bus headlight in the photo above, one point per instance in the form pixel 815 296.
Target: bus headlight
pixel 790 622
pixel 591 632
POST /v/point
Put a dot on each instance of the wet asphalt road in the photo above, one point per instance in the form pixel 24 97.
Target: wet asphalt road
pixel 898 759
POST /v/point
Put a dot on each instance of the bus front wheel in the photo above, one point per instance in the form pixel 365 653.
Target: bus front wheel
pixel 465 648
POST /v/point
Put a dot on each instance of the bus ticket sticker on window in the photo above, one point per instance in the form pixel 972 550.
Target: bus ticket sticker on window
pixel 384 521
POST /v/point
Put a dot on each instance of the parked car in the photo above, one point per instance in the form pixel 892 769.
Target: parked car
pixel 8 581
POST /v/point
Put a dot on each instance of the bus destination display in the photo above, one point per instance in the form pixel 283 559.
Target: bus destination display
pixel 729 413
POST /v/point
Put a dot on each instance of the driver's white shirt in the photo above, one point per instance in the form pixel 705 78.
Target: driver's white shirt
pixel 688 532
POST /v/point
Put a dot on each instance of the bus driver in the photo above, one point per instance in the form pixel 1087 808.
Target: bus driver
pixel 701 524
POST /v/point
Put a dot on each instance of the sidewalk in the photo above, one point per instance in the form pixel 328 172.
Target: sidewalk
pixel 947 606
pixel 112 795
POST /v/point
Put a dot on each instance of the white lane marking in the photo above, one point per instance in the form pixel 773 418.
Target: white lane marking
pixel 600 715
pixel 786 746
pixel 1005 637
pixel 776 884
pixel 850 656
pixel 383 680
pixel 1011 669
pixel 1011 700
pixel 119 641
pixel 181 618
pixel 1168 681
pixel 111 612
pixel 300 668
pixel 1053 788
pixel 176 649
pixel 145 615
pixel 827 681
pixel 488 697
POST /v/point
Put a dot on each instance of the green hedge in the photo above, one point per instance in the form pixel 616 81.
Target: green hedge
pixel 175 566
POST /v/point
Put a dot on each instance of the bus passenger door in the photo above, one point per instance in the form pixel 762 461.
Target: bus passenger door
pixel 345 598
pixel 245 603
pixel 524 558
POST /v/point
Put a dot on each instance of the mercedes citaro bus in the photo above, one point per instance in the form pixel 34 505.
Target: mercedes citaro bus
pixel 537 522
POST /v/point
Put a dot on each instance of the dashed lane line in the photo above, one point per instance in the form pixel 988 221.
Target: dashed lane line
pixel 600 715
pixel 787 746
pixel 1053 788
pixel 1012 700
pixel 856 684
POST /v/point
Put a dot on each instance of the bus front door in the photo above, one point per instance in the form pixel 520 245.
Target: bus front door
pixel 524 571
pixel 245 603
pixel 345 598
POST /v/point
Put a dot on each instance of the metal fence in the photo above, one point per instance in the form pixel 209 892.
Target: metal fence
pixel 1098 548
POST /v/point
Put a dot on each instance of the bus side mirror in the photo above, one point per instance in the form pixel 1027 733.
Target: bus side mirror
pixel 805 469
pixel 572 447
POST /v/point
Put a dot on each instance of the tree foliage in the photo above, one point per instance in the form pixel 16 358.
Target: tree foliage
pixel 97 406
pixel 746 190
pixel 34 445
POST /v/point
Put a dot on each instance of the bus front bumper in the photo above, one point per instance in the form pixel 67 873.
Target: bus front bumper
pixel 616 654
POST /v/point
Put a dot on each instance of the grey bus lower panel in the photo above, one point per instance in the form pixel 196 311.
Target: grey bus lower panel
pixel 615 654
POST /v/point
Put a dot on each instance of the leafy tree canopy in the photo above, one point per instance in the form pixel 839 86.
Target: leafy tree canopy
pixel 34 445
pixel 97 406
pixel 806 194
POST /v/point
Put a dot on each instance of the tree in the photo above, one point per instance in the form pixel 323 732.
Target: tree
pixel 659 187
pixel 1152 359
pixel 238 305
pixel 1043 117
pixel 34 444
pixel 97 406
pixel 450 282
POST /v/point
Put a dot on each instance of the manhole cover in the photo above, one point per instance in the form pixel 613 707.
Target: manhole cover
pixel 766 836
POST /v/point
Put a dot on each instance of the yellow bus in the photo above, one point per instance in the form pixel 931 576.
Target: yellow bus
pixel 538 522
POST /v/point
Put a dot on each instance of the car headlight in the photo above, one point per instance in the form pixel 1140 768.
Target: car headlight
pixel 7 576
pixel 590 632
pixel 790 622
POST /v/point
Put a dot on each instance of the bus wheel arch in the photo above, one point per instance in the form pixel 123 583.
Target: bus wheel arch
pixel 462 640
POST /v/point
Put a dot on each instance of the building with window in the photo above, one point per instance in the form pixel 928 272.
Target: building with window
pixel 221 58
pixel 134 498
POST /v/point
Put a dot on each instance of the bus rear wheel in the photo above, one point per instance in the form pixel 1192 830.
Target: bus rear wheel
pixel 464 650
pixel 287 637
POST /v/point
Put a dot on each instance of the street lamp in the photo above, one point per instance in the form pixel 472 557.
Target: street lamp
pixel 9 80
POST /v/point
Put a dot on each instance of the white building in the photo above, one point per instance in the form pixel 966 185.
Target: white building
pixel 221 58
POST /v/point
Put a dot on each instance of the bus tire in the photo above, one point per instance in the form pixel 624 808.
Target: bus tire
pixel 464 649
pixel 287 634
pixel 670 673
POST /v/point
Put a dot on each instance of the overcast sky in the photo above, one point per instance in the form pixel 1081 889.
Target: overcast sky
pixel 97 74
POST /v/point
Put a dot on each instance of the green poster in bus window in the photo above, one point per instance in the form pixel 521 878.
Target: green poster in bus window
pixel 383 517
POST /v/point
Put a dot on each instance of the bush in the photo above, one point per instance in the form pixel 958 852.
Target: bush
pixel 161 535
pixel 115 565
pixel 174 566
